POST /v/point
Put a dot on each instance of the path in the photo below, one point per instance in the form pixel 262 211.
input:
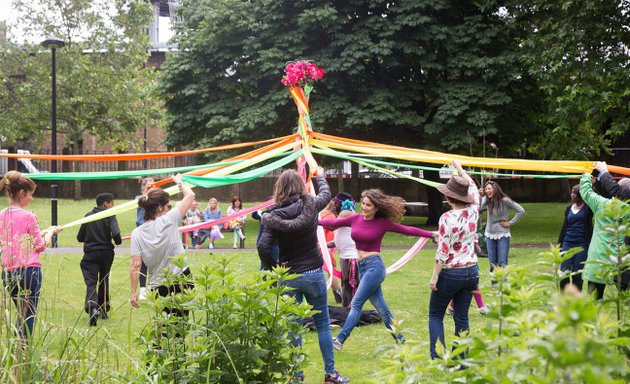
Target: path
pixel 123 250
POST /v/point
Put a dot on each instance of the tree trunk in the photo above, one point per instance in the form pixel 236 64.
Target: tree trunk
pixel 434 199
pixel 354 181
pixel 340 177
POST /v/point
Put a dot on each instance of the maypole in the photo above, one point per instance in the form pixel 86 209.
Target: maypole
pixel 299 77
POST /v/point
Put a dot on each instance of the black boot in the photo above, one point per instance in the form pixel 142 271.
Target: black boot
pixel 93 317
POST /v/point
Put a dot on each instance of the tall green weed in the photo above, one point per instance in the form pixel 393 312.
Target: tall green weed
pixel 535 333
pixel 237 330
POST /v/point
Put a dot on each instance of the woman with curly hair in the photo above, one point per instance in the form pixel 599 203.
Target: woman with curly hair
pixel 380 213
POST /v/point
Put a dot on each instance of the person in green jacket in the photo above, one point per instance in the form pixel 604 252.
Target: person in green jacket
pixel 603 243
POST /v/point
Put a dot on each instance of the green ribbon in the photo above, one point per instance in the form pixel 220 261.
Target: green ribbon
pixel 212 182
pixel 123 174
pixel 195 180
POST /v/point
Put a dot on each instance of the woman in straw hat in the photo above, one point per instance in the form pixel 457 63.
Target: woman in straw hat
pixel 455 274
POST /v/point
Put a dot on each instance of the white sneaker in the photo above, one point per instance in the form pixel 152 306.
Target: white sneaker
pixel 211 246
pixel 143 294
pixel 337 344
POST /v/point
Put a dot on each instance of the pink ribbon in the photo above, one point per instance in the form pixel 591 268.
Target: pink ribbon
pixel 408 256
pixel 208 224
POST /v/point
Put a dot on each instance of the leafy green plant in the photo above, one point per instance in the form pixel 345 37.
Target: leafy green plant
pixel 536 334
pixel 237 330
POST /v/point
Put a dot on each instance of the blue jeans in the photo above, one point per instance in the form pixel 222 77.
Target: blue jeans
pixel 371 274
pixel 498 252
pixel 453 284
pixel 312 287
pixel 24 286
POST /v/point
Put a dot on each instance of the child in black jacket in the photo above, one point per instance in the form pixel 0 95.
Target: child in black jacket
pixel 98 256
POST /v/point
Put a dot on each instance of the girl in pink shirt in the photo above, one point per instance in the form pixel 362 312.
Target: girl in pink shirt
pixel 21 243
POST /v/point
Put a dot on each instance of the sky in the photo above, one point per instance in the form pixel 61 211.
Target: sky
pixel 8 14
pixel 6 10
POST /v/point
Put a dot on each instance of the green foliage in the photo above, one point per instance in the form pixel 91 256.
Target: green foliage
pixel 237 330
pixel 432 73
pixel 578 53
pixel 102 87
pixel 536 335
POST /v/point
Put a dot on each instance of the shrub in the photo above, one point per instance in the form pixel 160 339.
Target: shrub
pixel 237 330
pixel 537 335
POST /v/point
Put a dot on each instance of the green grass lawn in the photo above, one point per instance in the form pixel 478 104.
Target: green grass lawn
pixel 114 340
pixel 113 343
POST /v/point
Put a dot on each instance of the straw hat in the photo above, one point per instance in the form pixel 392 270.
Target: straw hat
pixel 457 188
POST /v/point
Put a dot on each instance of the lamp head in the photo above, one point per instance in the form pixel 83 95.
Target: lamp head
pixel 53 42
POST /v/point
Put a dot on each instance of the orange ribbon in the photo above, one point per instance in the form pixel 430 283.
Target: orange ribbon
pixel 140 156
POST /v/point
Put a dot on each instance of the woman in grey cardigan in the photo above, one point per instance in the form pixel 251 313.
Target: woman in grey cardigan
pixel 497 223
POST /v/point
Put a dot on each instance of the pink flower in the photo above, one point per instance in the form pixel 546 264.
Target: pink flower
pixel 465 214
pixel 457 246
pixel 444 248
pixel 455 229
pixel 442 230
pixel 300 73
pixel 472 227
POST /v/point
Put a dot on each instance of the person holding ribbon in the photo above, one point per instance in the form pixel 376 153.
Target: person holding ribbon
pixel 604 243
pixel 344 207
pixel 331 212
pixel 157 241
pixel 293 224
pixel 381 213
pixel 455 273
pixel 21 243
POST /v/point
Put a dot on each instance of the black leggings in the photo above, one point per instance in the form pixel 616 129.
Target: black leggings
pixel 165 291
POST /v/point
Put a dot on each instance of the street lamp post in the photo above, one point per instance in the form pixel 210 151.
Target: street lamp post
pixel 53 43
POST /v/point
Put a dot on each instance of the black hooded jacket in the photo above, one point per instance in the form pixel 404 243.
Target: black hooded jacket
pixel 293 223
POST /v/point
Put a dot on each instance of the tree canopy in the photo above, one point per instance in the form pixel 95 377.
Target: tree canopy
pixel 102 86
pixel 579 54
pixel 442 74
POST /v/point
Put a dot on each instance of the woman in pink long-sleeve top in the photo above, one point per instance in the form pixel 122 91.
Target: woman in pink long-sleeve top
pixel 380 214
pixel 21 243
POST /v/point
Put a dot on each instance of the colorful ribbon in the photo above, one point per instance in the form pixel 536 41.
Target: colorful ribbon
pixel 139 156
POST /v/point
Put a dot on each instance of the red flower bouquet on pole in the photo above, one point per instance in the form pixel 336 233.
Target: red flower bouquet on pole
pixel 301 74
